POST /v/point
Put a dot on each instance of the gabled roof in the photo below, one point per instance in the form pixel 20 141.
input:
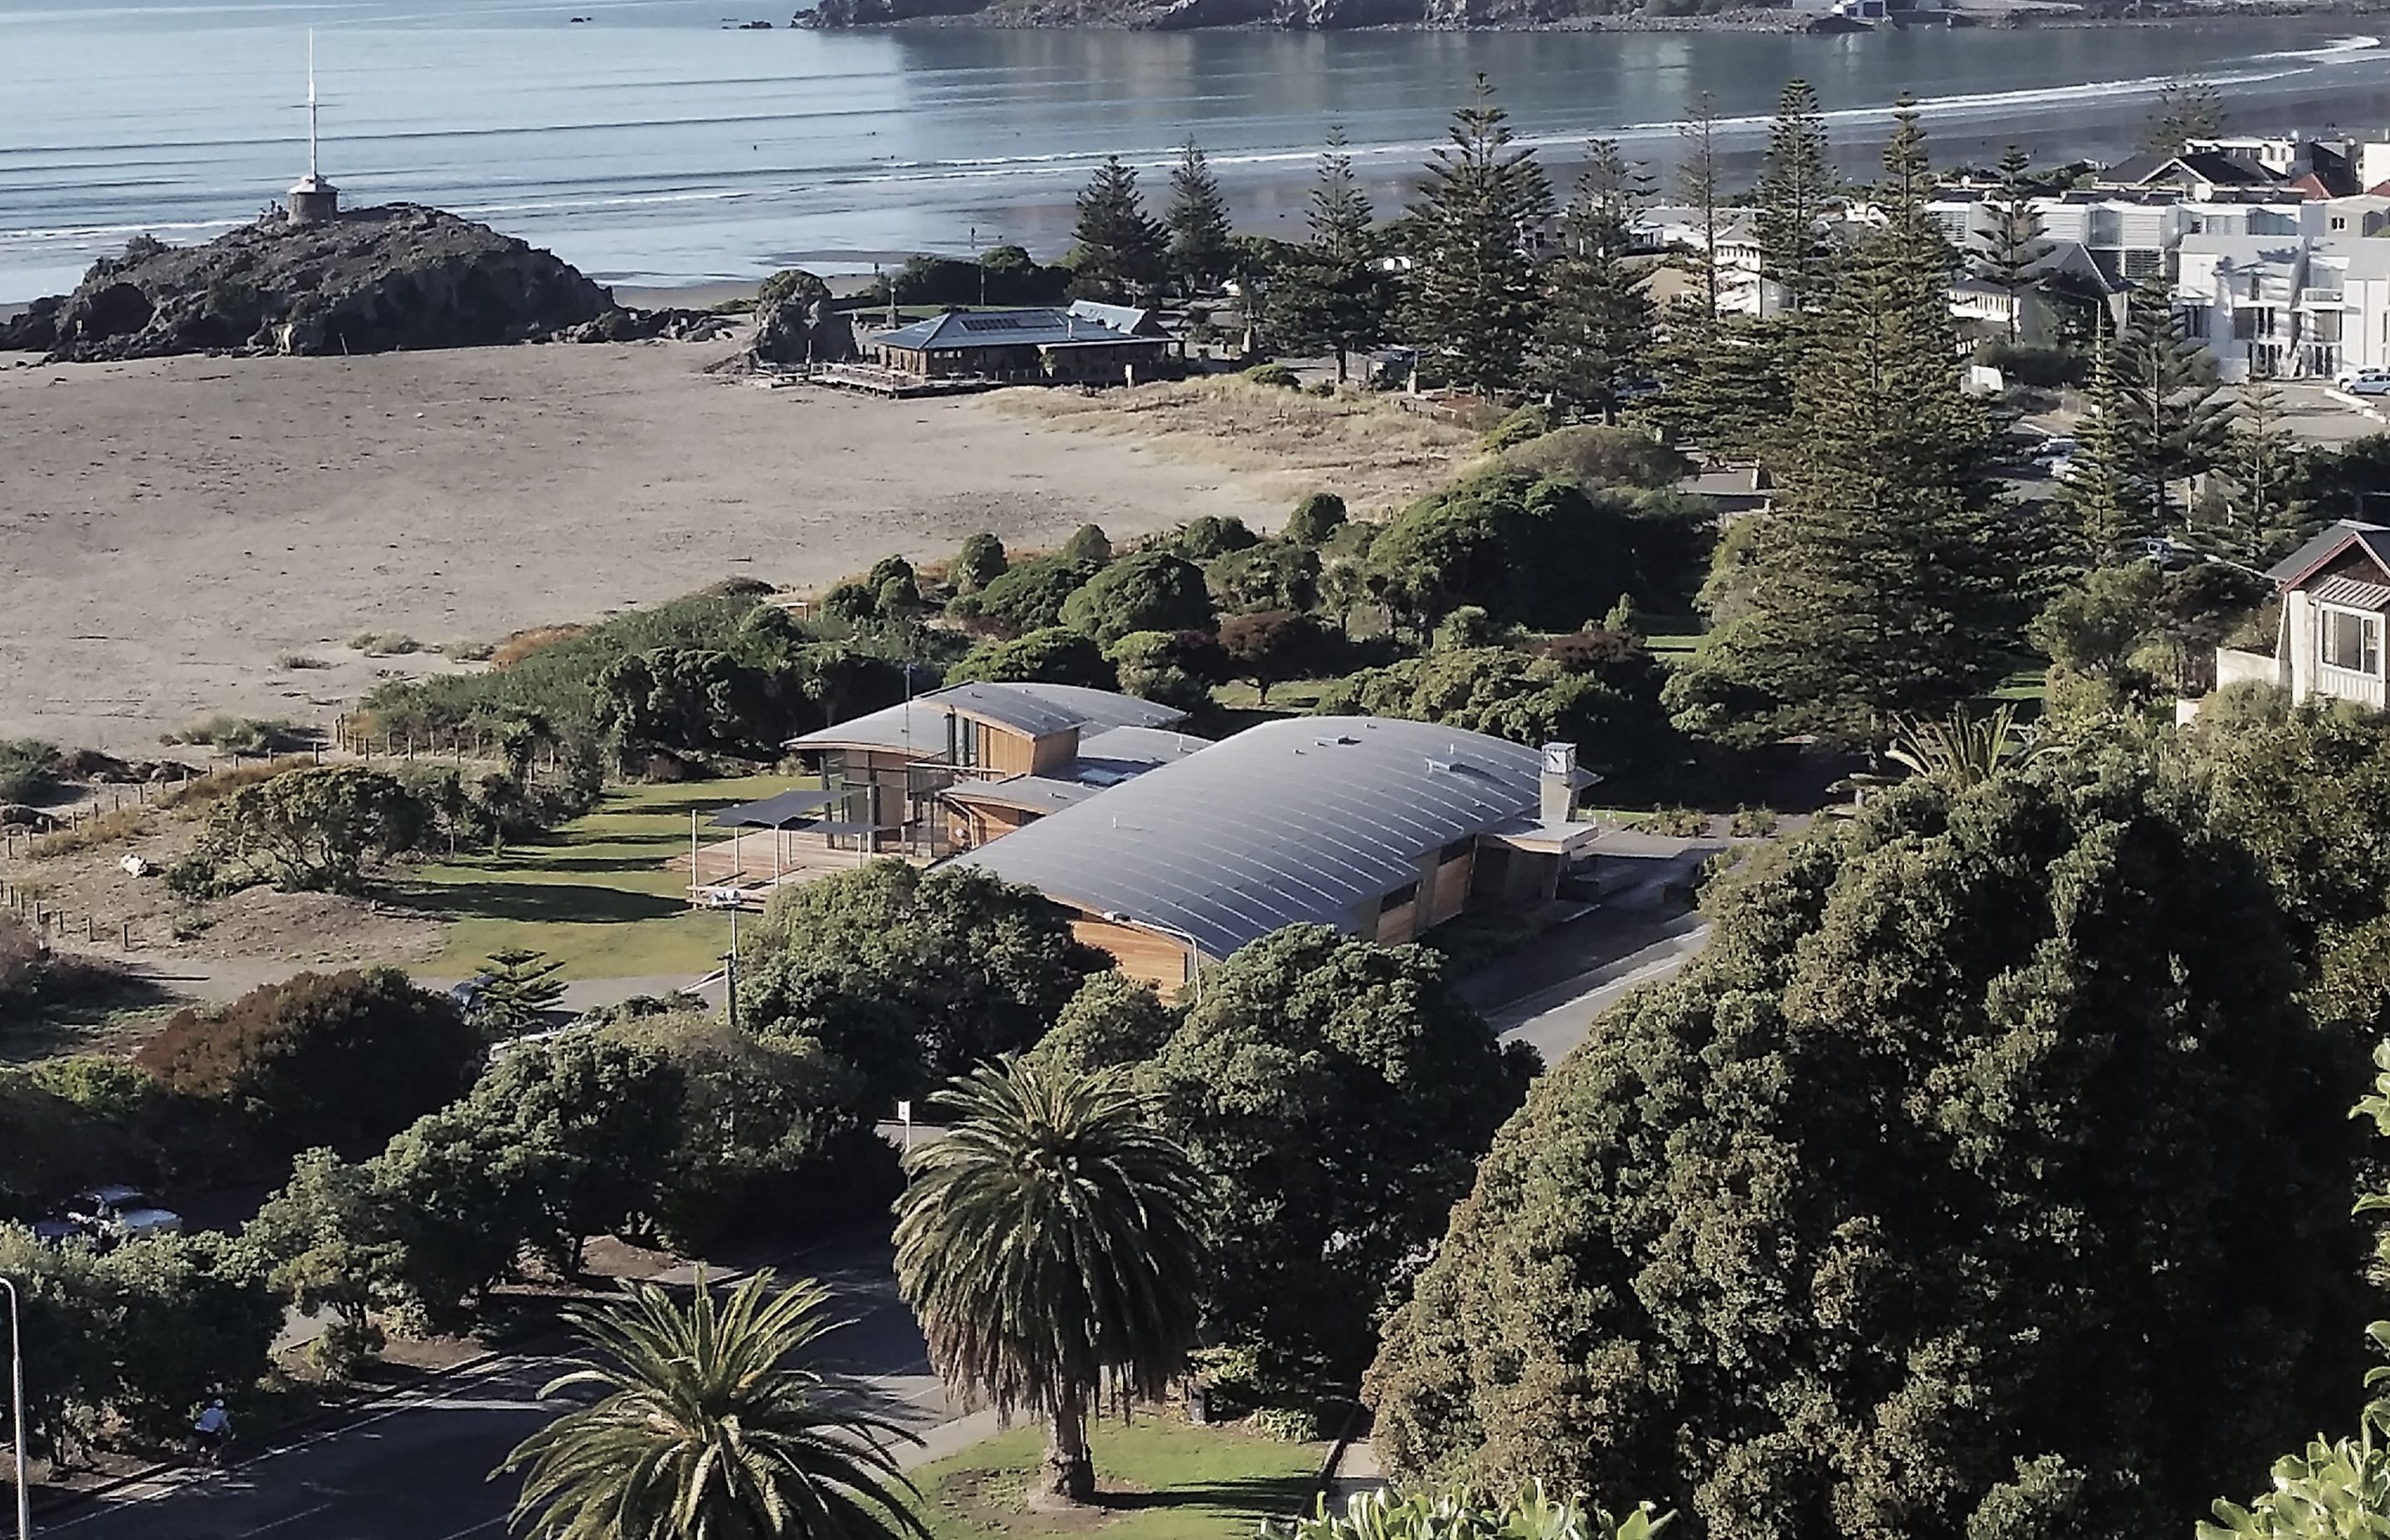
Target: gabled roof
pixel 1304 819
pixel 958 329
pixel 919 725
pixel 2208 166
pixel 2328 548
pixel 1136 320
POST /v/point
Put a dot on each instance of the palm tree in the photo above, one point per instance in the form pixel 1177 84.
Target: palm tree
pixel 709 1431
pixel 1049 1244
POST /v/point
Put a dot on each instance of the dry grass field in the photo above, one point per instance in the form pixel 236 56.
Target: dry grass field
pixel 1370 450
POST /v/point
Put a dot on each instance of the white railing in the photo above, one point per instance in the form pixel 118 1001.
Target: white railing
pixel 2341 684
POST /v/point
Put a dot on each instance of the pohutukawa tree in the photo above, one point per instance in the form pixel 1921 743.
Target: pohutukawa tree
pixel 708 1428
pixel 1050 1243
pixel 1984 1180
pixel 1474 297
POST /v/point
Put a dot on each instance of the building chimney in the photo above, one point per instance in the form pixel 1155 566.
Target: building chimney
pixel 1557 785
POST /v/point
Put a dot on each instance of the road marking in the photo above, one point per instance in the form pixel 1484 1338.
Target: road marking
pixel 476 1528
pixel 292 1519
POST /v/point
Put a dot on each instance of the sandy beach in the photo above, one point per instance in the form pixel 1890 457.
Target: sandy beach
pixel 171 532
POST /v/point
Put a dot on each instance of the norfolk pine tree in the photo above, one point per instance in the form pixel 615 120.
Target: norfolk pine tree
pixel 1198 222
pixel 2102 500
pixel 1338 297
pixel 2173 410
pixel 1698 187
pixel 1121 252
pixel 1889 574
pixel 2260 460
pixel 1596 332
pixel 2006 253
pixel 1795 182
pixel 2186 109
pixel 1473 300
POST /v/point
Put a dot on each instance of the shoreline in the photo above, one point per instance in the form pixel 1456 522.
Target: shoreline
pixel 1786 20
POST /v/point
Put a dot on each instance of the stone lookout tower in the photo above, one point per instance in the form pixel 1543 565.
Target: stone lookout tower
pixel 312 199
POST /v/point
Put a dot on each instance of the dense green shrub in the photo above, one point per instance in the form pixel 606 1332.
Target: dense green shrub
pixel 1149 591
pixel 343 1059
pixel 1278 575
pixel 906 977
pixel 1027 596
pixel 1176 668
pixel 29 769
pixel 1596 457
pixel 316 828
pixel 1608 706
pixel 1275 375
pixel 1547 554
pixel 1922 1203
pixel 2038 364
pixel 980 562
pixel 1199 540
pixel 1523 424
pixel 1314 519
pixel 1053 655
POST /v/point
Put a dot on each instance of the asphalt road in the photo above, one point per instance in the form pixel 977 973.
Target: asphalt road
pixel 416 1467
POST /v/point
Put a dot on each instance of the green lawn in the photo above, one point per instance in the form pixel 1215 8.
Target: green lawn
pixel 1158 1479
pixel 595 894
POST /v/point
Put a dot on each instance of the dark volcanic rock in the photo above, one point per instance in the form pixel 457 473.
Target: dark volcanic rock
pixel 795 325
pixel 370 281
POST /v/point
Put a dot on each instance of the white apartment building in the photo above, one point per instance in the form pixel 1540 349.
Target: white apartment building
pixel 2285 305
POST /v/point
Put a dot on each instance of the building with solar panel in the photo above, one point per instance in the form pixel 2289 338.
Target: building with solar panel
pixel 1088 344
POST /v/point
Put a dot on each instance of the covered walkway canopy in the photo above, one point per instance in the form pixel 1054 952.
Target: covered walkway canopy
pixel 784 811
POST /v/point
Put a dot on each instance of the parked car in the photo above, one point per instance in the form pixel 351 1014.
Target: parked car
pixel 2053 449
pixel 57 1230
pixel 2366 382
pixel 2059 469
pixel 118 1212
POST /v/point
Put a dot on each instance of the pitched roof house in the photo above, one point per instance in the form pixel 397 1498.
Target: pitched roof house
pixel 2335 593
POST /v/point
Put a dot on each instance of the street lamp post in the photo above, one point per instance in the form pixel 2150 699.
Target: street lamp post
pixel 16 1414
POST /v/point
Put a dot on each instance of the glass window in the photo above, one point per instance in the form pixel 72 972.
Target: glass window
pixel 2352 641
pixel 1407 893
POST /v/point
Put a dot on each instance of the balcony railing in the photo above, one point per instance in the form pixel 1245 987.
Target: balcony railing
pixel 2325 299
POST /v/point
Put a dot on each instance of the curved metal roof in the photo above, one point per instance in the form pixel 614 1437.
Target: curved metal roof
pixel 1304 819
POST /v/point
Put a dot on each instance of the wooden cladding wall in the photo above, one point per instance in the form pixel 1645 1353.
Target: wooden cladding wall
pixel 1053 754
pixel 1447 894
pixel 1004 752
pixel 1159 960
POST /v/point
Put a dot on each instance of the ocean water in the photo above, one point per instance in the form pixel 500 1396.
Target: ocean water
pixel 655 144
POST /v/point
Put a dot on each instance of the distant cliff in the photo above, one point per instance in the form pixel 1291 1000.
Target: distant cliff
pixel 1285 15
pixel 368 281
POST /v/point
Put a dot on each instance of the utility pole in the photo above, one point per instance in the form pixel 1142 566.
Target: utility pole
pixel 16 1414
pixel 730 972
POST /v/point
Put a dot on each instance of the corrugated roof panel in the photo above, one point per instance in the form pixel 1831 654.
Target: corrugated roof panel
pixel 1014 706
pixel 2353 593
pixel 1306 819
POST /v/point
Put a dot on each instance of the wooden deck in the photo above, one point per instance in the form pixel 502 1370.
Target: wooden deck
pixel 878 381
pixel 742 873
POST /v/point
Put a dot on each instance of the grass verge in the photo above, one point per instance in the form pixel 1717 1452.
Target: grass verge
pixel 1157 1479
pixel 595 895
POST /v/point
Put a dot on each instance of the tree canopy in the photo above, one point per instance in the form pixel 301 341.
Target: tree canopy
pixel 1472 297
pixel 909 977
pixel 1149 591
pixel 1981 1180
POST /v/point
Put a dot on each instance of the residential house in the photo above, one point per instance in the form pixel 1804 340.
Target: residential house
pixel 1380 829
pixel 2335 591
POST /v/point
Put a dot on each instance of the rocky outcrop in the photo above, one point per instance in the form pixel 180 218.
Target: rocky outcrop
pixel 369 281
pixel 795 325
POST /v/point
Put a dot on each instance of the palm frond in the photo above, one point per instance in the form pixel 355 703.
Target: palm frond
pixel 1048 1242
pixel 710 1429
pixel 1963 750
